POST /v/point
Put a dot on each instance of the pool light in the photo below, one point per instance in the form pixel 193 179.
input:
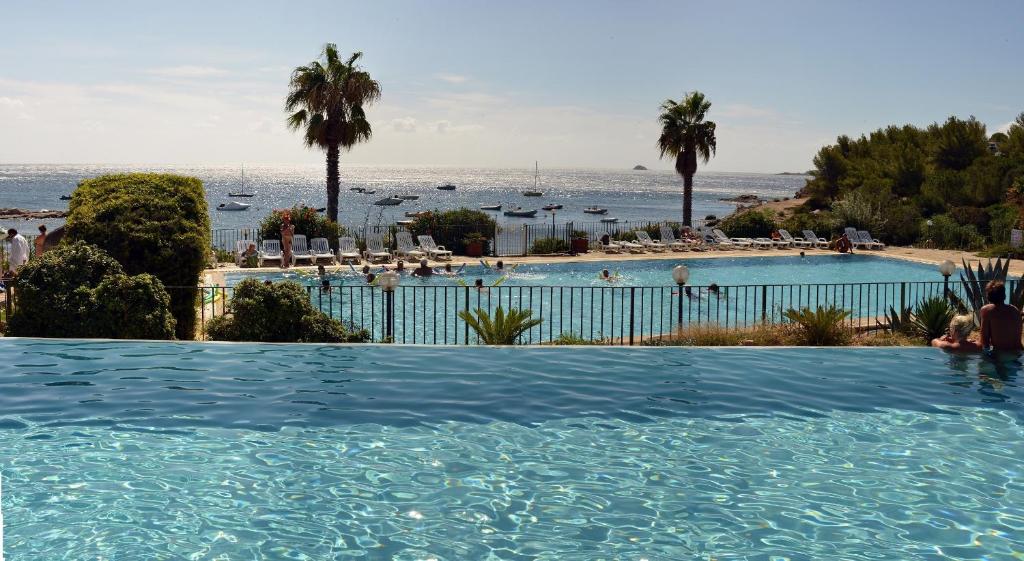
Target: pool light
pixel 947 268
pixel 680 274
pixel 388 281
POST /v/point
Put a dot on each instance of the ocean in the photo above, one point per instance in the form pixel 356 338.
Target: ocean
pixel 628 195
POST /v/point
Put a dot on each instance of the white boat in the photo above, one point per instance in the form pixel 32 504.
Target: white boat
pixel 388 201
pixel 536 192
pixel 521 213
pixel 241 193
pixel 490 207
pixel 409 197
pixel 233 205
pixel 416 213
pixel 610 220
pixel 595 210
pixel 404 222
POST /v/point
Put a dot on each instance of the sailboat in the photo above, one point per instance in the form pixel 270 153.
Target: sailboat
pixel 536 183
pixel 241 193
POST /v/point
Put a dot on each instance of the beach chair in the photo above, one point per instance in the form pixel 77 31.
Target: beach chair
pixel 668 238
pixel 433 250
pixel 855 239
pixel 762 243
pixel 737 243
pixel 630 246
pixel 300 249
pixel 375 252
pixel 865 237
pixel 645 240
pixel 321 249
pixel 815 241
pixel 796 242
pixel 270 250
pixel 347 250
pixel 240 247
pixel 610 247
pixel 407 248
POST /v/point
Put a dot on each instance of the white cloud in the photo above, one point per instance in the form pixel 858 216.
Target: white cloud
pixel 186 71
pixel 403 124
pixel 11 102
pixel 452 78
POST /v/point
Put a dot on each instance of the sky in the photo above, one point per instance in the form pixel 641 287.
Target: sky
pixel 473 83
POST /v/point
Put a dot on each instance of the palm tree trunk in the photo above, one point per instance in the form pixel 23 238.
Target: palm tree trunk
pixel 333 182
pixel 688 199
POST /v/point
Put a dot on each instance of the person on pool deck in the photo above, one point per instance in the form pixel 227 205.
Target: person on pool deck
pixel 1000 322
pixel 956 340
pixel 40 240
pixel 423 270
pixel 843 244
pixel 287 234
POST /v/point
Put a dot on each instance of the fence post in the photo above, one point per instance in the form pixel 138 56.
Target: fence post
pixel 466 336
pixel 526 240
pixel 903 296
pixel 632 300
pixel 764 303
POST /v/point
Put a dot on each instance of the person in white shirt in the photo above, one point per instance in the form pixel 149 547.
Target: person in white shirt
pixel 19 250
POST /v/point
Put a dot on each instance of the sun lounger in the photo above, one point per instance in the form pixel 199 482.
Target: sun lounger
pixel 865 237
pixel 270 250
pixel 321 249
pixel 762 243
pixel 797 242
pixel 407 249
pixel 815 240
pixel 348 252
pixel 433 250
pixel 240 247
pixel 668 237
pixel 300 249
pixel 854 237
pixel 715 242
pixel 645 240
pixel 741 243
pixel 610 247
pixel 375 252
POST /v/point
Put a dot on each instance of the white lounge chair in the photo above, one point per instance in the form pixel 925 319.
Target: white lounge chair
pixel 300 249
pixel 645 240
pixel 375 252
pixel 762 243
pixel 865 237
pixel 668 237
pixel 741 243
pixel 854 237
pixel 240 247
pixel 715 242
pixel 797 242
pixel 347 250
pixel 407 249
pixel 270 250
pixel 610 247
pixel 321 249
pixel 815 241
pixel 433 250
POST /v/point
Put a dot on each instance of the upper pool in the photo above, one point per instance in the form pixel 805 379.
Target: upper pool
pixel 123 450
pixel 791 269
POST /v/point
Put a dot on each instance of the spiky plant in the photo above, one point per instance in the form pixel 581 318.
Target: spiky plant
pixel 975 281
pixel 931 318
pixel 502 329
pixel 821 327
pixel 898 322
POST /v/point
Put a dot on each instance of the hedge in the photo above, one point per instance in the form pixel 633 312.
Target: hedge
pixel 749 224
pixel 77 290
pixel 150 223
pixel 307 221
pixel 450 228
pixel 278 313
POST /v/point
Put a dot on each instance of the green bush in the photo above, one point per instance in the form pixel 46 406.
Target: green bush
pixel 820 327
pixel 821 223
pixel 77 290
pixel 932 317
pixel 1002 219
pixel 307 221
pixel 451 227
pixel 945 233
pixel 502 328
pixel 749 224
pixel 150 223
pixel 545 246
pixel 278 313
pixel 576 339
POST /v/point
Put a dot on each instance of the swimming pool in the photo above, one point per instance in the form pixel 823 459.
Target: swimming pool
pixel 122 450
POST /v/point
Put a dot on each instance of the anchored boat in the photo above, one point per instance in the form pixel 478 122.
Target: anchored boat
pixel 595 210
pixel 521 213
pixel 490 207
pixel 233 205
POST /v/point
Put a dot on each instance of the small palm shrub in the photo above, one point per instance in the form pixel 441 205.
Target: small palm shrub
pixel 931 318
pixel 502 329
pixel 823 326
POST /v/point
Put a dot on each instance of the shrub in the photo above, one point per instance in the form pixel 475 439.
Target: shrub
pixel 749 224
pixel 859 211
pixel 931 318
pixel 822 224
pixel 450 227
pixel 307 221
pixel 823 326
pixel 1002 219
pixel 278 313
pixel 711 335
pixel 150 223
pixel 575 339
pixel 77 290
pixel 545 246
pixel 1003 250
pixel 945 233
pixel 502 329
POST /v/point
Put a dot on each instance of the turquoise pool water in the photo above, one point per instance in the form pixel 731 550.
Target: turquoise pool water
pixel 118 450
pixel 791 269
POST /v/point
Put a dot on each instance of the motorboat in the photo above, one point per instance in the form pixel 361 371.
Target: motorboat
pixel 242 192
pixel 521 212
pixel 490 207
pixel 595 210
pixel 552 207
pixel 446 187
pixel 416 213
pixel 404 222
pixel 357 189
pixel 65 197
pixel 409 197
pixel 388 201
pixel 233 205
pixel 610 220
pixel 533 194
pixel 369 191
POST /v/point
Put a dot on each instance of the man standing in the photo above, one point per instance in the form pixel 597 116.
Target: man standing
pixel 1000 322
pixel 19 250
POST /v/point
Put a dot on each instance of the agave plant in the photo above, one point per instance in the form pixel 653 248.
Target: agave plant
pixel 898 322
pixel 822 326
pixel 503 329
pixel 974 283
pixel 931 318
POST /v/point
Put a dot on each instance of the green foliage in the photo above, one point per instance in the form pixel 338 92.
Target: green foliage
pixel 945 233
pixel 450 228
pixel 687 136
pixel 278 313
pixel 1002 219
pixel 503 329
pixel 574 339
pixel 307 221
pixel 546 246
pixel 823 326
pixel 77 290
pixel 974 282
pixel 749 224
pixel 150 223
pixel 823 224
pixel 860 211
pixel 931 318
pixel 957 143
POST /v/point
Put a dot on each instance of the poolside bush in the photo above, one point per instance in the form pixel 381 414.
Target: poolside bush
pixel 820 327
pixel 502 328
pixel 749 224
pixel 150 223
pixel 307 221
pixel 546 246
pixel 78 290
pixel 710 335
pixel 451 227
pixel 823 224
pixel 945 233
pixel 568 338
pixel 278 313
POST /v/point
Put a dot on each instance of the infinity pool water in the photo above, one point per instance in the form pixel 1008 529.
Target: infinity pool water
pixel 121 450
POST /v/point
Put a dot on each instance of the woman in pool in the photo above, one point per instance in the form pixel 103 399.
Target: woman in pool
pixel 608 277
pixel 960 328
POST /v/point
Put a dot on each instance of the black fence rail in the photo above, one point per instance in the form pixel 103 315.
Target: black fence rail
pixel 616 315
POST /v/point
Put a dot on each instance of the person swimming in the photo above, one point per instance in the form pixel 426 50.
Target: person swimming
pixel 371 278
pixel 321 272
pixel 366 269
pixel 713 289
pixel 956 340
pixel 607 276
pixel 479 284
pixel 1000 322
pixel 400 266
pixel 423 270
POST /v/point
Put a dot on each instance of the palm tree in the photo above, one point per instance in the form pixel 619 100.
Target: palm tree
pixel 686 136
pixel 327 97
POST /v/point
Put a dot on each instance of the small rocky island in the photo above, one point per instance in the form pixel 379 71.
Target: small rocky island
pixel 15 213
pixel 639 167
pixel 743 199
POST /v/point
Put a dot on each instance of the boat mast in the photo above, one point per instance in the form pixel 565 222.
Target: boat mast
pixel 536 174
pixel 243 178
